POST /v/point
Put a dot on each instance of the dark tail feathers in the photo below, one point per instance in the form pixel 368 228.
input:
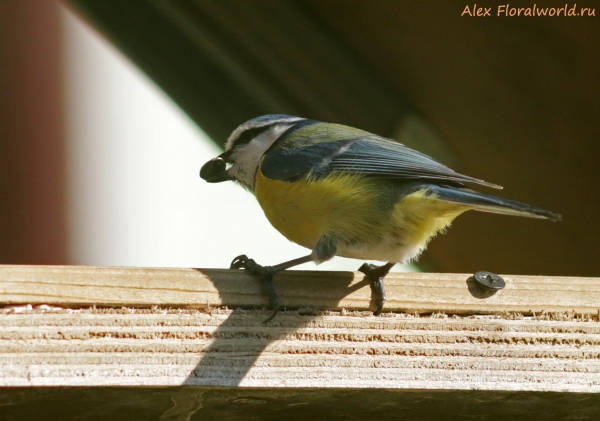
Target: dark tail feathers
pixel 493 204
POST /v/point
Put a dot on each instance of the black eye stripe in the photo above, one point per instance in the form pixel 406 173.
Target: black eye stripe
pixel 247 135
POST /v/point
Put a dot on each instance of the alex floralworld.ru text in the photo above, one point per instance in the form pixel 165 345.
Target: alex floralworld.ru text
pixel 505 10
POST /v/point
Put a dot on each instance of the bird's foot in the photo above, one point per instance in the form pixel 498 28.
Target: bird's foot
pixel 266 275
pixel 376 275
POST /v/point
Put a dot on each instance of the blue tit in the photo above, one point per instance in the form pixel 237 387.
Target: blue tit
pixel 338 190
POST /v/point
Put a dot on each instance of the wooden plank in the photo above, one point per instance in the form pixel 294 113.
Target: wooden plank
pixel 201 288
pixel 168 327
pixel 47 346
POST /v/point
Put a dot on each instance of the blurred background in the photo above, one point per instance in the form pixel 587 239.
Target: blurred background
pixel 108 108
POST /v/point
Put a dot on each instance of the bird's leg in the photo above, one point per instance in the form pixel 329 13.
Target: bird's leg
pixel 266 274
pixel 376 275
pixel 323 251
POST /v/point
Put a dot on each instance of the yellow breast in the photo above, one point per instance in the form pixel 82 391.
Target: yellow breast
pixel 341 204
pixel 357 212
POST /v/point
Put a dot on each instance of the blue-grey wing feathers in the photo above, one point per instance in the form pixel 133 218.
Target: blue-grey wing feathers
pixel 368 154
pixel 316 149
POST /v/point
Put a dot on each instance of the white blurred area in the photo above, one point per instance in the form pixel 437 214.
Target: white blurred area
pixel 135 197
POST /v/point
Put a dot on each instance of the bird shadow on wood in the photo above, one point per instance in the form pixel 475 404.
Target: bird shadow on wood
pixel 239 341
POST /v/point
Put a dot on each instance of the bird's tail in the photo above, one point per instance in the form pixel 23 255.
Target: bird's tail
pixel 493 204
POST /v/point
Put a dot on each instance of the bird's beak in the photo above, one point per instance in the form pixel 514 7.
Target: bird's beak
pixel 215 170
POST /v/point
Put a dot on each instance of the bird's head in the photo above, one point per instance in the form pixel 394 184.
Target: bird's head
pixel 245 148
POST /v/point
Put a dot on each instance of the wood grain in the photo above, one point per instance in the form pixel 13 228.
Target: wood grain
pixel 169 327
pixel 157 347
pixel 201 288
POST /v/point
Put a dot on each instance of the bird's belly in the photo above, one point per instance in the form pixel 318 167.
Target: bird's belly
pixel 343 206
pixel 388 249
pixel 351 209
pixel 412 223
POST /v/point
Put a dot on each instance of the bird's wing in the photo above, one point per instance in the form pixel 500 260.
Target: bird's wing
pixel 318 150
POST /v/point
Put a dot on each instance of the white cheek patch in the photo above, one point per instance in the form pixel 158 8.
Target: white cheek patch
pixel 248 125
pixel 246 158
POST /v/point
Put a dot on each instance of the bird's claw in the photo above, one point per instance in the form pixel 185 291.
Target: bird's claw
pixel 266 274
pixel 242 262
pixel 375 275
pixel 273 303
